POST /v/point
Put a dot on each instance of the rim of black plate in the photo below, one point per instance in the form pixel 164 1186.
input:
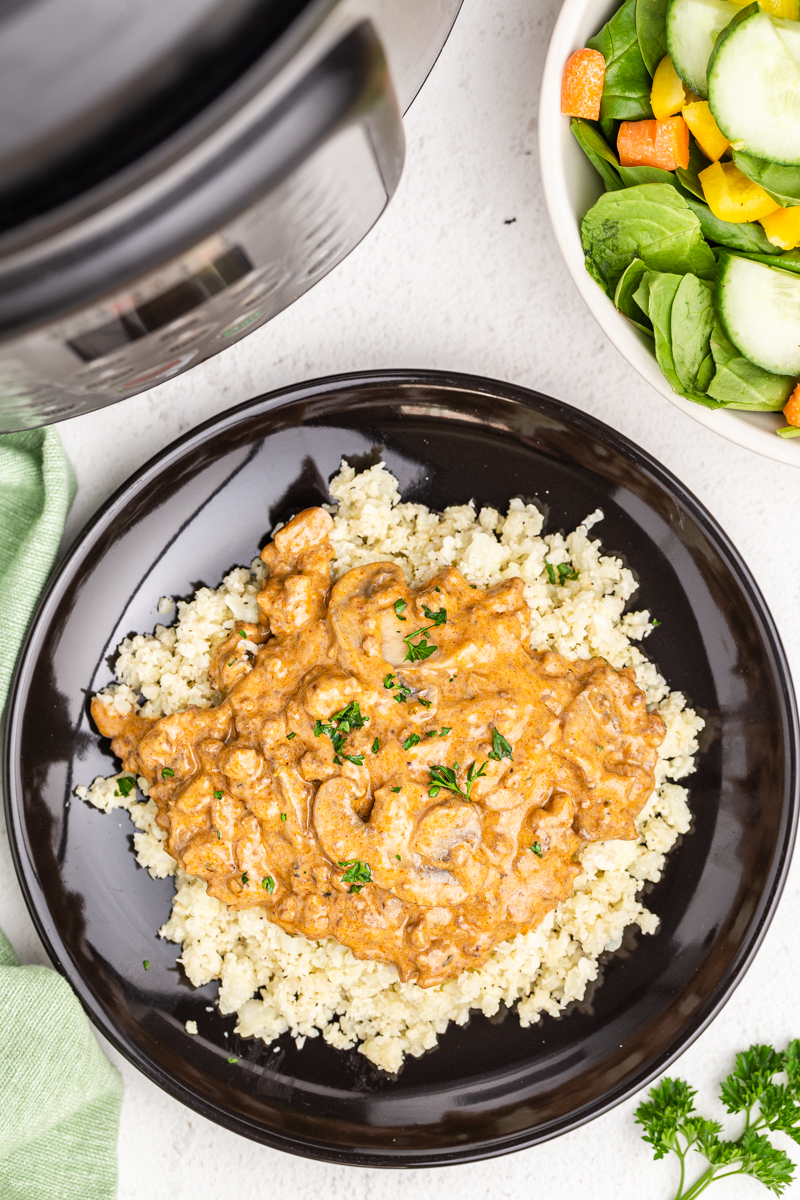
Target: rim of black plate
pixel 304 392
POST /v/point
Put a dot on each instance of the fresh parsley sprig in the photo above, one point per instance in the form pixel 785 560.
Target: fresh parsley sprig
pixel 672 1124
pixel 446 777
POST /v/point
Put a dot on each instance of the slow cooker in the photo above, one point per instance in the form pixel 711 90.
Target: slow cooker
pixel 174 174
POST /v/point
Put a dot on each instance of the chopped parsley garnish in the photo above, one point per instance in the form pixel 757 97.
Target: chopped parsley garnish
pixel 339 726
pixel 269 883
pixel 655 622
pixel 218 795
pixel 231 661
pixel 357 874
pixel 397 856
pixel 402 695
pixel 599 748
pixel 289 736
pixel 219 836
pixel 358 759
pixel 445 777
pixel 445 730
pixel 473 585
pixel 430 733
pixel 244 877
pixel 146 964
pixel 283 816
pixel 425 703
pixel 376 745
pixel 397 789
pixel 231 1059
pixel 400 607
pixel 500 747
pixel 125 786
pixel 242 633
pixel 438 618
pixel 418 651
pixel 536 848
pixel 558 575
pixel 388 680
pixel 413 739
pixel 167 773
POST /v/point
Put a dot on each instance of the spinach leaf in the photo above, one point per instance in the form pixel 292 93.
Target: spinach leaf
pixel 689 176
pixel 632 176
pixel 659 291
pixel 738 383
pixel 609 129
pixel 598 152
pixel 782 183
pixel 626 90
pixel 662 289
pixel 651 30
pixel 625 299
pixel 651 222
pixel 691 321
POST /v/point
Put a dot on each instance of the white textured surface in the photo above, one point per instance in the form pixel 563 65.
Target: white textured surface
pixel 444 282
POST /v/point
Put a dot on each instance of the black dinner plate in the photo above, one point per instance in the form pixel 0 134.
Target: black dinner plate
pixel 208 502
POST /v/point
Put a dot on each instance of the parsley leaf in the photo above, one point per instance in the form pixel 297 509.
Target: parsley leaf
pixel 439 617
pixel 671 1123
pixel 388 680
pixel 244 877
pixel 399 607
pixel 218 795
pixel 413 739
pixel 125 786
pixel 500 747
pixel 269 883
pixel 167 773
pixel 338 727
pixel 357 874
pixel 376 745
pixel 445 777
pixel 536 848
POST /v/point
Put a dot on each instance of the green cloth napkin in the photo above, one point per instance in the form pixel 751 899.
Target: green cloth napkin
pixel 37 484
pixel 59 1095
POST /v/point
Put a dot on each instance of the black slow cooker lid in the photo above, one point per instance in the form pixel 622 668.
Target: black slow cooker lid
pixel 89 86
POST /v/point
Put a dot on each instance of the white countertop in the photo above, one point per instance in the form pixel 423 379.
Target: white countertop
pixel 445 282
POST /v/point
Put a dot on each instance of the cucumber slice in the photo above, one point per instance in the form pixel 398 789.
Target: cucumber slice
pixel 760 311
pixel 692 30
pixel 754 86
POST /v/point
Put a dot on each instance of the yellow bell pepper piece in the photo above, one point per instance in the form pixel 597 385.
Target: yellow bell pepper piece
pixel 707 133
pixel 783 227
pixel 668 95
pixel 731 196
pixel 690 98
pixel 781 8
pixel 775 8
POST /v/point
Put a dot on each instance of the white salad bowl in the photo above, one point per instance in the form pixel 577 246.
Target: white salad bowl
pixel 571 186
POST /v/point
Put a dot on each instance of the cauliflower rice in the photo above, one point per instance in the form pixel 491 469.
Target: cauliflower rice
pixel 276 982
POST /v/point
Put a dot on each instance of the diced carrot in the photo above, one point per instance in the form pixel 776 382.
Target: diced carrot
pixel 582 84
pixel 792 409
pixel 663 144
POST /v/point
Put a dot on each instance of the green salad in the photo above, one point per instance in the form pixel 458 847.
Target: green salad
pixel 719 298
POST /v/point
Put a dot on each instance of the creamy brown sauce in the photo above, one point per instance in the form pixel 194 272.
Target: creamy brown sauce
pixel 317 789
